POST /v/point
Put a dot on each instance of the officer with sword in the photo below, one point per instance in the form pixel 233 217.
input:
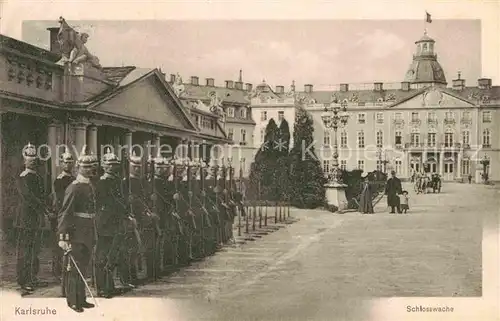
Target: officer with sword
pixel 60 184
pixel 77 232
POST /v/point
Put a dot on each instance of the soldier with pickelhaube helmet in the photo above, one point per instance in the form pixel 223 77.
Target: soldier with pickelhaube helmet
pixel 230 200
pixel 213 192
pixel 196 205
pixel 30 222
pixel 173 228
pixel 134 187
pixel 185 212
pixel 162 207
pixel 222 195
pixel 60 184
pixel 76 230
pixel 208 224
pixel 112 216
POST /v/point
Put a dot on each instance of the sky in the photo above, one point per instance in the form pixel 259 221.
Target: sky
pixel 318 52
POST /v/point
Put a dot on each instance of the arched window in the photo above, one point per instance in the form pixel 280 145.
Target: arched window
pixel 486 138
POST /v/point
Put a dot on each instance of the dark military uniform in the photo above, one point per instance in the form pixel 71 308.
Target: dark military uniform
pixel 212 194
pixel 174 229
pixel 112 217
pixel 198 232
pixel 130 248
pixel 60 184
pixel 207 220
pixel 77 225
pixel 185 240
pixel 29 223
pixel 223 207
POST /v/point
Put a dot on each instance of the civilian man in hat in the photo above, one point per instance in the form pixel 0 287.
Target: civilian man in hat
pixel 61 182
pixel 112 217
pixel 392 190
pixel 30 222
pixel 77 235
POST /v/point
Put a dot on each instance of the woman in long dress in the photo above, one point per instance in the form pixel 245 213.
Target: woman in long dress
pixel 366 200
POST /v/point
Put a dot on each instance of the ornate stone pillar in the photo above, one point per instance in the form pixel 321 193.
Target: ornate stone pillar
pixel 157 144
pixel 441 163
pixel 92 142
pixel 128 142
pixel 52 142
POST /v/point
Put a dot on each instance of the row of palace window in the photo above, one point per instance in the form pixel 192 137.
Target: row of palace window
pixel 243 135
pixel 447 167
pixel 431 116
pixel 414 139
pixel 327 166
pixel 263 115
pixel 230 111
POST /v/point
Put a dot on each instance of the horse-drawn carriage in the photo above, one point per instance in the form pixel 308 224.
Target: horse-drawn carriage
pixel 435 183
pixel 423 184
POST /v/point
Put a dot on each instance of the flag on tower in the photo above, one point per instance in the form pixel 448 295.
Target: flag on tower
pixel 428 18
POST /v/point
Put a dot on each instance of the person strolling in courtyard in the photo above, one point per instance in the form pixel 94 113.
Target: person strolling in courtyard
pixel 366 200
pixel 392 190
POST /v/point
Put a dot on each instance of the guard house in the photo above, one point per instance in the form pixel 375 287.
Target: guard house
pixel 64 96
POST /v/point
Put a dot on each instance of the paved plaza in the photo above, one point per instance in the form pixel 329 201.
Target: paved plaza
pixel 327 263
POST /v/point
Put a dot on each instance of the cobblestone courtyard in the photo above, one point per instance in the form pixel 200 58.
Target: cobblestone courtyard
pixel 326 263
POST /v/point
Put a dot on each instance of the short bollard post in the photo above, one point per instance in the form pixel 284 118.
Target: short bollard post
pixel 260 215
pixel 265 214
pixel 239 219
pixel 246 219
pixel 276 213
pixel 253 218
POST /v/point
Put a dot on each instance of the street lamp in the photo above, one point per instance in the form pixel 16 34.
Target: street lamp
pixel 485 162
pixel 382 158
pixel 336 116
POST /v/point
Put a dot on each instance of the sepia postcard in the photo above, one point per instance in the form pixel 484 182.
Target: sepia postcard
pixel 250 161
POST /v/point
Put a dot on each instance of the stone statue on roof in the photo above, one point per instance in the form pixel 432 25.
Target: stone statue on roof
pixel 178 85
pixel 73 47
pixel 216 104
pixel 334 99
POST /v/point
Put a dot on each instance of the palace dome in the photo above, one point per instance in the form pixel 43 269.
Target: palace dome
pixel 425 68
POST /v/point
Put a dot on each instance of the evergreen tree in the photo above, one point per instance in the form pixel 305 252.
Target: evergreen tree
pixel 306 178
pixel 262 174
pixel 283 162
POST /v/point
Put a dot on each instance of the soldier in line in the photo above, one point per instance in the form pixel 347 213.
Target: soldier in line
pixel 187 215
pixel 208 222
pixel 132 186
pixel 30 222
pixel 223 208
pixel 211 189
pixel 196 205
pixel 60 184
pixel 77 234
pixel 112 218
pixel 151 220
pixel 172 227
pixel 230 203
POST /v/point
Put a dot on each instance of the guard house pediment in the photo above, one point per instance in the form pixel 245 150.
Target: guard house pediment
pixel 434 97
pixel 147 99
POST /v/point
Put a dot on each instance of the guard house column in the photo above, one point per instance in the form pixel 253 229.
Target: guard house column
pixel 54 153
pixel 1 166
pixel 80 136
pixel 92 142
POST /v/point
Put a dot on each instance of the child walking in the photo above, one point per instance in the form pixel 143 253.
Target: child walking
pixel 404 201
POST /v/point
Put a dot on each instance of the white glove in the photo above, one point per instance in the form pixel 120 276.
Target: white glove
pixel 65 245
